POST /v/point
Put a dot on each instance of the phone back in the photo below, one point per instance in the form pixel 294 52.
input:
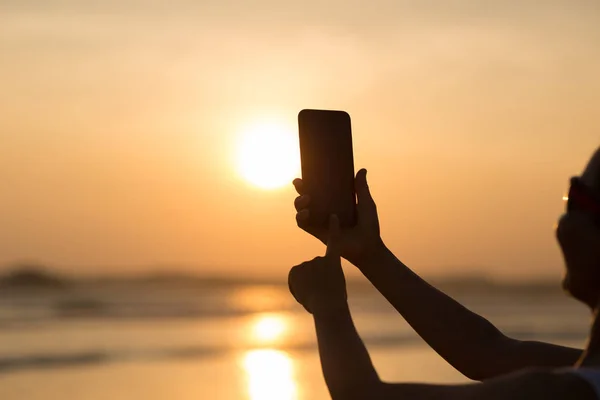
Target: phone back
pixel 328 165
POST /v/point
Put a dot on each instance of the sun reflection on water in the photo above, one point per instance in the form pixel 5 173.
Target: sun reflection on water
pixel 270 375
pixel 269 328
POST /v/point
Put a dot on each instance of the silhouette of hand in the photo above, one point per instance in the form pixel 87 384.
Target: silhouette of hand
pixel 319 285
pixel 357 243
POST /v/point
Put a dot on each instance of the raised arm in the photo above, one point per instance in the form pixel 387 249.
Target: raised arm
pixel 350 375
pixel 466 340
pixel 320 287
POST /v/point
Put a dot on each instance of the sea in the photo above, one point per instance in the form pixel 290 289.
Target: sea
pixel 186 338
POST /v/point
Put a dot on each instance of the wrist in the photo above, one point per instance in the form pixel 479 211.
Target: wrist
pixel 329 308
pixel 374 253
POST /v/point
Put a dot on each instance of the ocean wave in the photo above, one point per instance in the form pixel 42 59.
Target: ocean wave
pixel 43 361
pixel 98 357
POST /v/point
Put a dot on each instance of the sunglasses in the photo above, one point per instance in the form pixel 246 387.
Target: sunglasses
pixel 583 199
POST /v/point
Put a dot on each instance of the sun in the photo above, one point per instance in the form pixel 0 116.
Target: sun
pixel 268 155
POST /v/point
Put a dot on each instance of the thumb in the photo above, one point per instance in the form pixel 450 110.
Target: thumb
pixel 333 241
pixel 362 189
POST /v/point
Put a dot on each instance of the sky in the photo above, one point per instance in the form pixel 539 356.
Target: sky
pixel 120 120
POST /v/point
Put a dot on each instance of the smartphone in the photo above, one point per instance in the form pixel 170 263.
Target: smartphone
pixel 327 163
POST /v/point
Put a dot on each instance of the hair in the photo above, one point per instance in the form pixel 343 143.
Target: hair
pixel 592 171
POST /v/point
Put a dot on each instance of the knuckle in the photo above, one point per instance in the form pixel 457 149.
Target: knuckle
pixel 301 221
pixel 294 272
pixel 316 262
pixel 299 270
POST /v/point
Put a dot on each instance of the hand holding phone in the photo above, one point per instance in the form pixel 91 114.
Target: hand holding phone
pixel 327 166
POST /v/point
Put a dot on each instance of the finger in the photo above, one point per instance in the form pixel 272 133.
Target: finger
pixel 291 278
pixel 301 202
pixel 302 218
pixel 299 185
pixel 362 190
pixel 310 272
pixel 333 241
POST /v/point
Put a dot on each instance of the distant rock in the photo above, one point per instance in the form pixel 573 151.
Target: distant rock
pixel 30 277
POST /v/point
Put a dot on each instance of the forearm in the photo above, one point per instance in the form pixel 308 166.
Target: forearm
pixel 459 335
pixel 345 361
pixel 523 385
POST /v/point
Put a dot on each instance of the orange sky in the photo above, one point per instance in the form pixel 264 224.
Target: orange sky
pixel 119 121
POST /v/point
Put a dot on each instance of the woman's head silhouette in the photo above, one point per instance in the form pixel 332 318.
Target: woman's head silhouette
pixel 578 232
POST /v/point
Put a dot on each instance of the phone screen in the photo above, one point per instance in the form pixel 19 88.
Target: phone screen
pixel 328 165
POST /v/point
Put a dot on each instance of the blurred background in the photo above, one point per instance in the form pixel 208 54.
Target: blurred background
pixel 147 150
